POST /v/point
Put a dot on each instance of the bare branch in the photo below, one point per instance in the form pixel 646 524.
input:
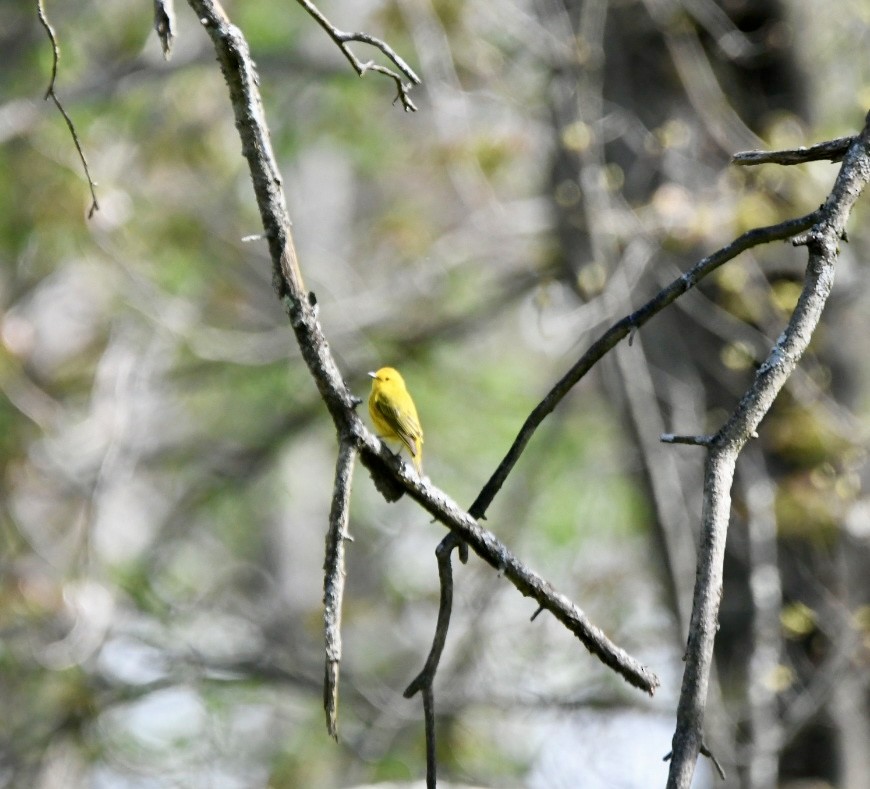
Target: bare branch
pixel 822 242
pixel 486 545
pixel 164 24
pixel 342 40
pixel 624 328
pixel 50 94
pixel 833 150
pixel 698 441
pixel 425 680
pixel 445 574
pixel 333 580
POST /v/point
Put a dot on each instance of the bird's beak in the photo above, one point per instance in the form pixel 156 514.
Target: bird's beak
pixel 372 375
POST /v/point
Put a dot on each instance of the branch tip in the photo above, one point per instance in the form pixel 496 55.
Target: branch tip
pixel 832 150
pixel 700 441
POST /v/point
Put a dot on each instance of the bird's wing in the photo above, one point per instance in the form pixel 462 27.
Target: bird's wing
pixel 407 427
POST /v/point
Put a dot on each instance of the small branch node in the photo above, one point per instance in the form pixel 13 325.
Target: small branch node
pixel 705 751
pixel 803 239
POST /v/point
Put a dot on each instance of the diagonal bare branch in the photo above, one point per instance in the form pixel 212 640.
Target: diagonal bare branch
pixel 374 455
pixel 624 328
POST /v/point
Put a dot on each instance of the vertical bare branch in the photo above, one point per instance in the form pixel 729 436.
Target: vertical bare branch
pixel 425 680
pixel 333 579
pixel 822 242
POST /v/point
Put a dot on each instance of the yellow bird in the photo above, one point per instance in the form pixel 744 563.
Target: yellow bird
pixel 393 412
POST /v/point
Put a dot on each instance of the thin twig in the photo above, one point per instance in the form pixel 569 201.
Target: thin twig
pixel 342 39
pixel 833 150
pixel 622 329
pixel 705 751
pixel 333 579
pixel 50 94
pixel 429 719
pixel 445 575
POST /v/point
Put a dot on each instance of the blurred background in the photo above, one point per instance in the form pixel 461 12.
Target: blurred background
pixel 167 465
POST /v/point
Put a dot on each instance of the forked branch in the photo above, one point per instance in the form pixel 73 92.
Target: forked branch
pixel 822 241
pixel 343 39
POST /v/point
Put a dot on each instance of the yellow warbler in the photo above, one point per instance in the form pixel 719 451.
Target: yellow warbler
pixel 394 414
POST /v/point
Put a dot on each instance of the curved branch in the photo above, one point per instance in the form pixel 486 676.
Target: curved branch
pixel 50 94
pixel 424 682
pixel 624 328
